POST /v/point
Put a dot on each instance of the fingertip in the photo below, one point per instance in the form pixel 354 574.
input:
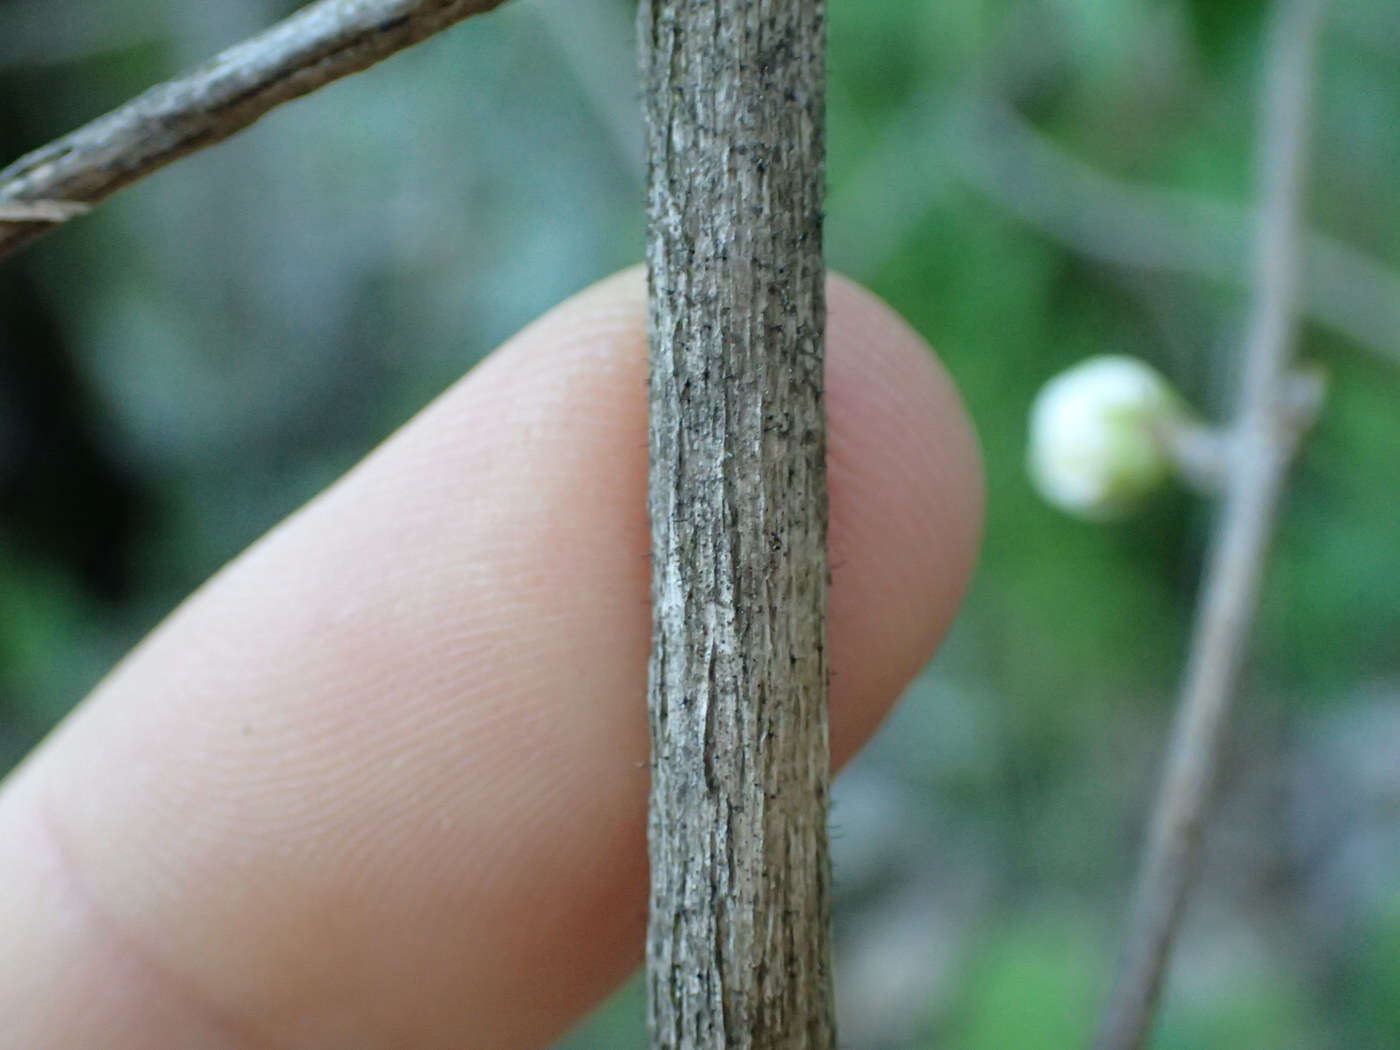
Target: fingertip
pixel 907 496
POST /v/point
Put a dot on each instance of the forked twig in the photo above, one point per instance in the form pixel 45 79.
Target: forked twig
pixel 1263 441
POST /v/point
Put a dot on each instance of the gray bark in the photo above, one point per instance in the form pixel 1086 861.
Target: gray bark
pixel 322 42
pixel 738 950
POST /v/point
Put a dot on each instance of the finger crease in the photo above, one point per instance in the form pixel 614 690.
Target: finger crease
pixel 126 946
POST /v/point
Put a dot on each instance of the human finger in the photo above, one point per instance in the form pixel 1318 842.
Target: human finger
pixel 382 782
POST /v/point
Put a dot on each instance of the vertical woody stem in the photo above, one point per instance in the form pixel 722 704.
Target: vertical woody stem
pixel 738 952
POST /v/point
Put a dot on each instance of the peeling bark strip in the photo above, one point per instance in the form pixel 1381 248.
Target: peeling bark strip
pixel 322 42
pixel 738 951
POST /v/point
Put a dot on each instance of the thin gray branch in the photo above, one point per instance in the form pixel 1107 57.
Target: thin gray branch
pixel 978 139
pixel 1001 156
pixel 322 42
pixel 738 950
pixel 41 211
pixel 1264 439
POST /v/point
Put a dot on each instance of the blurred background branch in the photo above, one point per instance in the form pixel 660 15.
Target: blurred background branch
pixel 975 136
pixel 1001 156
pixel 1263 440
pixel 320 43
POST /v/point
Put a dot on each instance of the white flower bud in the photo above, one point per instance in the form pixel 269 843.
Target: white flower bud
pixel 1096 448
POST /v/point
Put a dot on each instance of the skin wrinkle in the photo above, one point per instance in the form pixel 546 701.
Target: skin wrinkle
pixel 433 822
pixel 130 949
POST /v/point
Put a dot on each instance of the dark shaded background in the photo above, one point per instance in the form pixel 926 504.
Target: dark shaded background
pixel 192 362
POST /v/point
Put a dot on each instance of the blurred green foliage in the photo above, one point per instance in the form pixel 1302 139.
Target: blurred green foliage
pixel 199 357
pixel 1029 985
